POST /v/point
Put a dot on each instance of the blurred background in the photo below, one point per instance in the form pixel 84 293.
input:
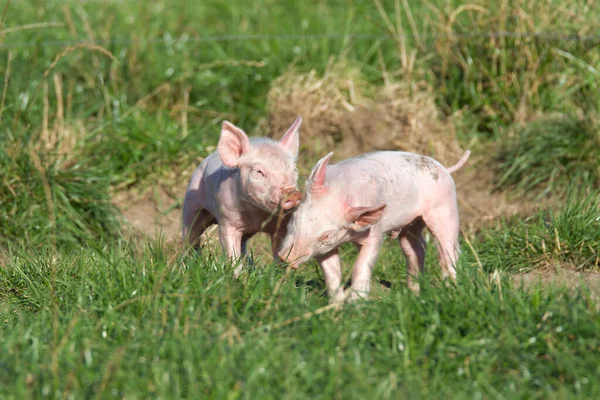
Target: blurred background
pixel 108 106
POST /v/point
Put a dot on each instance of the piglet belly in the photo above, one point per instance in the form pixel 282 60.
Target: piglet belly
pixel 401 210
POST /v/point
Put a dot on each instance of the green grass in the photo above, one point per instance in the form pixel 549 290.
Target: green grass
pixel 53 199
pixel 137 149
pixel 550 154
pixel 132 320
pixel 568 236
pixel 88 312
pixel 131 324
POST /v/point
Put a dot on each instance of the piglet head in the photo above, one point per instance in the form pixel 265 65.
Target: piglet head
pixel 323 220
pixel 267 168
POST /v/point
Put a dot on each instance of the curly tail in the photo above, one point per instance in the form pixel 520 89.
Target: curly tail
pixel 460 162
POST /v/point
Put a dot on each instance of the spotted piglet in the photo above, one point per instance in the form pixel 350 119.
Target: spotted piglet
pixel 359 200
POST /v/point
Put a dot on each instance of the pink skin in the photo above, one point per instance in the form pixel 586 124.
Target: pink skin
pixel 241 187
pixel 361 199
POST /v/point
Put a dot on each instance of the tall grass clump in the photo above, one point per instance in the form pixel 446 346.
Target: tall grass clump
pixel 507 60
pixel 568 237
pixel 550 152
pixel 145 146
pixel 50 199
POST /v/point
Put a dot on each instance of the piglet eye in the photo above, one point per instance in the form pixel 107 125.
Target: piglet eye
pixel 326 237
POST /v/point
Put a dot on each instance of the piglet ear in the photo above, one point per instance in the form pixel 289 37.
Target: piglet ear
pixel 232 145
pixel 291 141
pixel 361 218
pixel 318 173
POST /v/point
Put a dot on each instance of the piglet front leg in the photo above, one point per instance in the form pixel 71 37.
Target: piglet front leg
pixel 332 270
pixel 231 241
pixel 363 266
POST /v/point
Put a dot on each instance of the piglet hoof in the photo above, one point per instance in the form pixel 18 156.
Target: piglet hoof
pixel 338 298
pixel 242 264
pixel 237 272
pixel 357 295
pixel 450 283
pixel 449 279
pixel 336 304
pixel 414 287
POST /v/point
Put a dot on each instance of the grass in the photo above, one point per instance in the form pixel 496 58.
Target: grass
pixel 87 311
pixel 145 323
pixel 567 236
pixel 137 149
pixel 57 199
pixel 549 154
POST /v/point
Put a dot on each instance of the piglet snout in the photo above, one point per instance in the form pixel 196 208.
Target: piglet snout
pixel 283 254
pixel 286 256
pixel 291 198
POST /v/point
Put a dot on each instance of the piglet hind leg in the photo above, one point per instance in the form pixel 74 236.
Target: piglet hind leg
pixel 194 225
pixel 363 266
pixel 195 218
pixel 413 247
pixel 443 222
pixel 332 271
pixel 246 257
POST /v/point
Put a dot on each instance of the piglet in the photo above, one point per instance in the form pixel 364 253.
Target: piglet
pixel 241 187
pixel 359 200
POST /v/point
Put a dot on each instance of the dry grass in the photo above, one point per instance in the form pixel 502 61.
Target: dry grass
pixel 58 135
pixel 510 76
pixel 342 112
pixel 560 276
pixel 323 101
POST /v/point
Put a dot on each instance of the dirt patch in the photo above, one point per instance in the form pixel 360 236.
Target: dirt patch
pixel 154 213
pixel 571 279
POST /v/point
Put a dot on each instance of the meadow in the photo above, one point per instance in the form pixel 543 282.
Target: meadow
pixel 106 108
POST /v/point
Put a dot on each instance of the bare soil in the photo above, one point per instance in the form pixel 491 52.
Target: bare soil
pixel 561 278
pixel 154 213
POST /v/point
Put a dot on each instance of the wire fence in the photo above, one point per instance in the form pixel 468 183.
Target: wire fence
pixel 546 35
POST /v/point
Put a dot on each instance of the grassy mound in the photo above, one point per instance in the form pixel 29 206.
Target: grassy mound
pixel 345 113
pixel 568 237
pixel 51 198
pixel 549 153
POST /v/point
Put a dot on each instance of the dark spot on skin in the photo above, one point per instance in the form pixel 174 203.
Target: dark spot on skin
pixel 426 165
